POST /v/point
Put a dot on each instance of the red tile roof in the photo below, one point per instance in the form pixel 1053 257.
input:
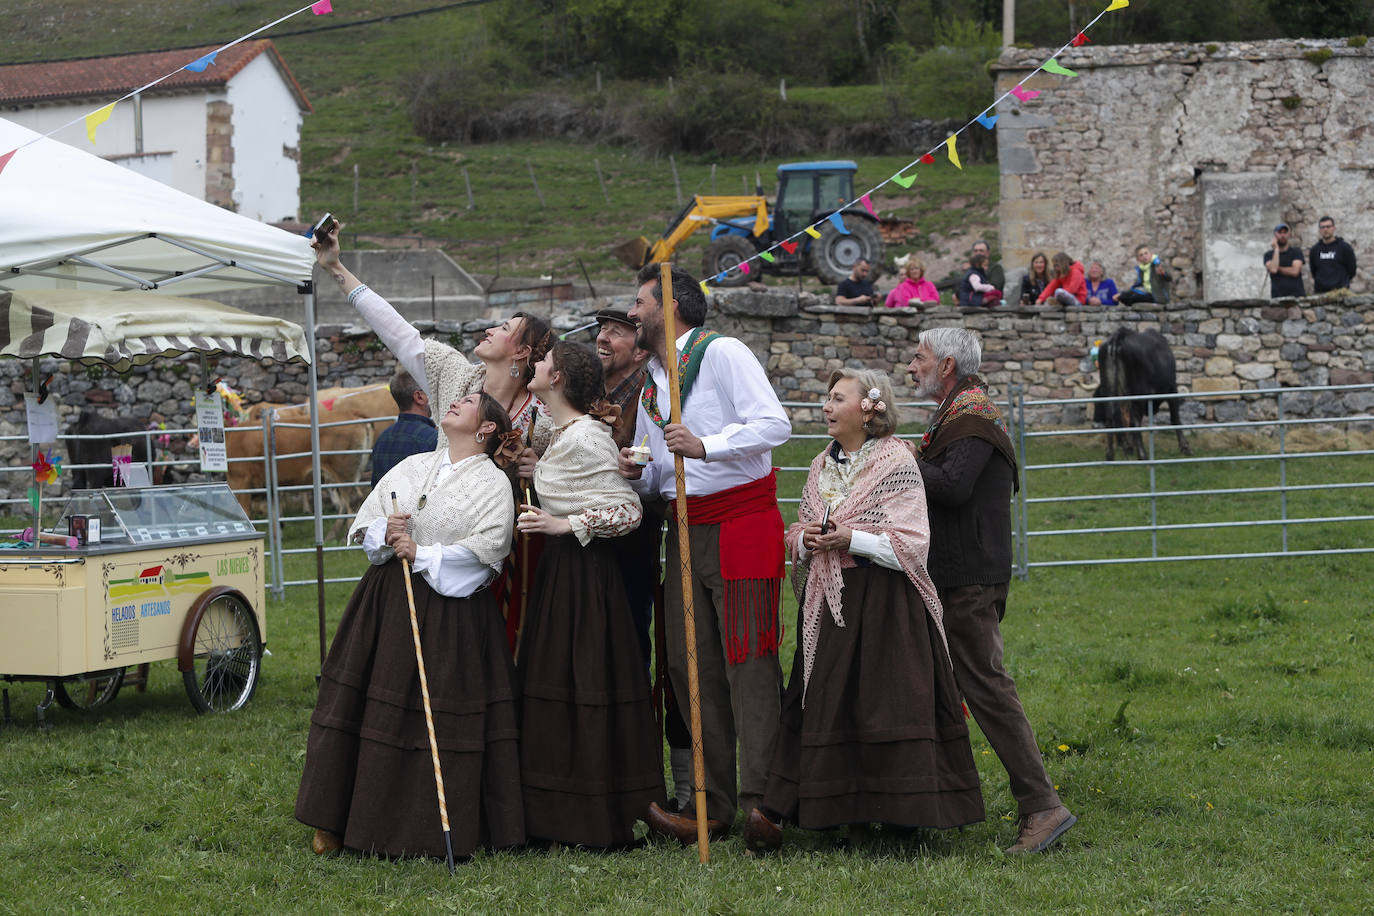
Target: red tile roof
pixel 108 77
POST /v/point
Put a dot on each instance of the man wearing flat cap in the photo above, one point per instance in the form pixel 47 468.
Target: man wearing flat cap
pixel 1284 263
pixel 622 362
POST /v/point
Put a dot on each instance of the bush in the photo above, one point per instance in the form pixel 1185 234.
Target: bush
pixel 732 114
pixel 464 97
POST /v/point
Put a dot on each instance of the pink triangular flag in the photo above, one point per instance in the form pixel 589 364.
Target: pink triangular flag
pixel 1024 95
pixel 868 205
pixel 5 159
pixel 320 7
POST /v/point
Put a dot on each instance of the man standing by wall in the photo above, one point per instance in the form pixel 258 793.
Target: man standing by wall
pixel 1332 259
pixel 1284 263
pixel 411 434
pixel 969 468
pixel 731 422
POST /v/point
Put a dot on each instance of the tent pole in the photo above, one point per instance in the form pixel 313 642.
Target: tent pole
pixel 314 390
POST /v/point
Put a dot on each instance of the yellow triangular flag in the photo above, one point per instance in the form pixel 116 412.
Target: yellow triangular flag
pixel 704 290
pixel 811 231
pixel 1118 5
pixel 96 119
pixel 953 153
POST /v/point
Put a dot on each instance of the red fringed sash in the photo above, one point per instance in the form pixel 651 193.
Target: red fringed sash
pixel 751 561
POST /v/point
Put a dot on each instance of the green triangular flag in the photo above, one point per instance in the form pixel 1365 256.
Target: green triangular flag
pixel 33 498
pixel 1054 66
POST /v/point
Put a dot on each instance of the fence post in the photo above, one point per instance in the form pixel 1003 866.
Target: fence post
pixel 1283 473
pixel 677 183
pixel 468 183
pixel 355 189
pixel 535 181
pixel 269 453
pixel 1154 498
pixel 1018 411
pixel 602 181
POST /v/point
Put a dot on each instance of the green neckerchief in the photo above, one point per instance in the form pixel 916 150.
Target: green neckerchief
pixel 688 367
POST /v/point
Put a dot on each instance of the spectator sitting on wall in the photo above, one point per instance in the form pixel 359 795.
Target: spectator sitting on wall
pixel 856 289
pixel 1284 263
pixel 1036 279
pixel 1151 279
pixel 1101 288
pixel 992 271
pixel 1066 286
pixel 413 432
pixel 974 289
pixel 1332 260
pixel 914 289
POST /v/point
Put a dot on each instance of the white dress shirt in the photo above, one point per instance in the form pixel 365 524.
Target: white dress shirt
pixel 731 408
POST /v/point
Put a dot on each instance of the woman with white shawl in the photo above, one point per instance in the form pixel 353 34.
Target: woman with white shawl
pixel 872 727
pixel 369 779
pixel 590 758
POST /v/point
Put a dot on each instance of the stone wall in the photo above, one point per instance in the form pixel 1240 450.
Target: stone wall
pixel 801 339
pixel 1121 155
pixel 219 154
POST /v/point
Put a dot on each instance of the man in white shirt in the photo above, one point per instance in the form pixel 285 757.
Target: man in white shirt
pixel 731 422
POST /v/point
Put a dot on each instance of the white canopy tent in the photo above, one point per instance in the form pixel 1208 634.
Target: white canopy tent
pixel 70 220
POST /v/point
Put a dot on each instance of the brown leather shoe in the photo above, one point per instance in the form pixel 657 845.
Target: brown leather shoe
pixel 1040 830
pixel 681 827
pixel 324 842
pixel 760 834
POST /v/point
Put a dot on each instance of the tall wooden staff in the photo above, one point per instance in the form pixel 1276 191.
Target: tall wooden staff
pixel 524 551
pixel 684 552
pixel 424 695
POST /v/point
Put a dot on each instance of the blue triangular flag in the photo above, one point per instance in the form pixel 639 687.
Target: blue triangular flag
pixel 199 65
pixel 986 120
pixel 838 222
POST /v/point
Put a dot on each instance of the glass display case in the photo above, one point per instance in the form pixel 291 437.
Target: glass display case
pixel 152 515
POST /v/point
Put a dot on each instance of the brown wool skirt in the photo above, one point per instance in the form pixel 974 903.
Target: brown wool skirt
pixel 369 776
pixel 882 737
pixel 590 758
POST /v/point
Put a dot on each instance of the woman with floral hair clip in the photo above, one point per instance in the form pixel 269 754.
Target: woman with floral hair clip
pixel 872 729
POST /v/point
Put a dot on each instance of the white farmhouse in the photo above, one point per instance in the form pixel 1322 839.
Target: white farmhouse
pixel 229 135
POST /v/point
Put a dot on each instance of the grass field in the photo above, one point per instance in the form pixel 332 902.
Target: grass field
pixel 1208 722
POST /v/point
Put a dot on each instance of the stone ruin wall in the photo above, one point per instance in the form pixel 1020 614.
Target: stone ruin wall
pixel 1123 154
pixel 1219 347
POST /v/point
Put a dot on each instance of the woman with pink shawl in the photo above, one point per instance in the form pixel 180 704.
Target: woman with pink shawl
pixel 872 728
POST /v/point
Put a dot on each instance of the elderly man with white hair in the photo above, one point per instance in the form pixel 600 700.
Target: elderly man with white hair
pixel 969 469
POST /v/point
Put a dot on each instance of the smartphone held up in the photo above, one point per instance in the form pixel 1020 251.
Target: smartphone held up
pixel 324 227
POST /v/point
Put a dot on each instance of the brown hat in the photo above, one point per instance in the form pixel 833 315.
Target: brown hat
pixel 604 315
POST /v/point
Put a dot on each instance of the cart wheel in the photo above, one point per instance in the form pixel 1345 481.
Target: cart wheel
pixel 88 691
pixel 225 653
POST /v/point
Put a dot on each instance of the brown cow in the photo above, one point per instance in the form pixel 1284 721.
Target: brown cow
pixel 247 469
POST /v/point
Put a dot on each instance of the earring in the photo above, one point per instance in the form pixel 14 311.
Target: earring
pixel 514 370
pixel 481 437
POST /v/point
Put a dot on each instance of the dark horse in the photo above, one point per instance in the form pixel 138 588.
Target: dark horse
pixel 1135 364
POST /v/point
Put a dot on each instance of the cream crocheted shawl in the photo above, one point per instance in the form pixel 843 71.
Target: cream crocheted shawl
pixel 882 494
pixel 473 506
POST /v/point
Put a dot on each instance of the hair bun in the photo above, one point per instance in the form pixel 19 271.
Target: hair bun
pixel 605 411
pixel 508 448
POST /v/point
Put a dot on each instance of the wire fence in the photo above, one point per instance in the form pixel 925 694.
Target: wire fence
pixel 1269 482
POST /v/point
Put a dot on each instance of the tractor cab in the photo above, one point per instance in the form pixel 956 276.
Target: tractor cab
pixel 811 191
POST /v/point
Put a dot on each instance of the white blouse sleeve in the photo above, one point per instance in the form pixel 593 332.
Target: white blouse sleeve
pixel 399 335
pixel 877 547
pixel 374 542
pixel 452 569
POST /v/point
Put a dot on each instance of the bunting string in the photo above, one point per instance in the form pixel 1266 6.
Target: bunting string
pixel 905 177
pixel 102 114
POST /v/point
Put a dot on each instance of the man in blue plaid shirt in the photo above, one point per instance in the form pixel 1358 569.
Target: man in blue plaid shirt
pixel 413 432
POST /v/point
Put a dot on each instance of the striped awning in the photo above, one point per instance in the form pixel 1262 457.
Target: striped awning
pixel 124 329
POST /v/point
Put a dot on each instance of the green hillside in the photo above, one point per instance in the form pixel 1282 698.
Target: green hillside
pixel 355 78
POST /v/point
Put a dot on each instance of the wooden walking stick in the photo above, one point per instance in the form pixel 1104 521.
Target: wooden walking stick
pixel 684 553
pixel 524 553
pixel 424 695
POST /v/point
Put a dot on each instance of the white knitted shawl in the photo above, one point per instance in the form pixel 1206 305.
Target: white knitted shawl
pixel 473 506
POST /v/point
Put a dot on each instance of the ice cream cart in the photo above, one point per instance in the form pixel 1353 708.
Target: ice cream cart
pixel 177 573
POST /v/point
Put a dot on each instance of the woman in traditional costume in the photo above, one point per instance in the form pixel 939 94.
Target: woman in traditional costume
pixel 590 759
pixel 504 365
pixel 872 729
pixel 369 779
